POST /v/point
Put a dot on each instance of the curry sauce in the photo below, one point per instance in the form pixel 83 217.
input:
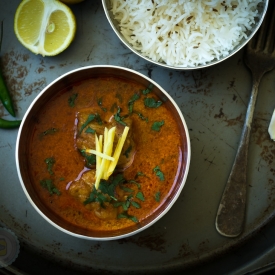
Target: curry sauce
pixel 63 175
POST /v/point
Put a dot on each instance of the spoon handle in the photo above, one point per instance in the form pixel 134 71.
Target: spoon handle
pixel 231 212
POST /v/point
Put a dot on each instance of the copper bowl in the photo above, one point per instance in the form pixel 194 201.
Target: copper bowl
pixel 44 96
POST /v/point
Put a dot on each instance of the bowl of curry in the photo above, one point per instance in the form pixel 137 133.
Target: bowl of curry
pixel 103 152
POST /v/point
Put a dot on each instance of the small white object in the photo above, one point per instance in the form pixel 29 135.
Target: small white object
pixel 271 128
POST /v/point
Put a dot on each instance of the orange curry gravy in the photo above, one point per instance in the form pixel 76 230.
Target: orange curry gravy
pixel 153 149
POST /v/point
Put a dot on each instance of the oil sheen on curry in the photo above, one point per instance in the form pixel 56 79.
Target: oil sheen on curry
pixel 104 154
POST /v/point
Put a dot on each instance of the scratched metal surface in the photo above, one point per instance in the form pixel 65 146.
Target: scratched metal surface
pixel 213 101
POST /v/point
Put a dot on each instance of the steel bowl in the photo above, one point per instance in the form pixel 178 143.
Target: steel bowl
pixel 115 26
pixel 28 121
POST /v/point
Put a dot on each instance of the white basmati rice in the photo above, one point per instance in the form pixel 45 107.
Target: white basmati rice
pixel 185 33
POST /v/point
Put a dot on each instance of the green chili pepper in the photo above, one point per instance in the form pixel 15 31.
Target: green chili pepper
pixel 4 92
pixel 7 124
pixel 5 96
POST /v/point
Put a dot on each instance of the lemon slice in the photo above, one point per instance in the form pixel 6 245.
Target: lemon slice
pixel 45 27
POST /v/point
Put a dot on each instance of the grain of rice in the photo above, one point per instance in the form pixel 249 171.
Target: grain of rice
pixel 185 33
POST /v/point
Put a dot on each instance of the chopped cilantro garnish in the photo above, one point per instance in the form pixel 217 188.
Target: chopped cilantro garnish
pixel 131 102
pixel 126 189
pixel 106 189
pixel 89 158
pixel 119 178
pixel 140 196
pixel 90 130
pixel 151 102
pixel 126 204
pixel 157 196
pixel 118 118
pixel 157 125
pixel 90 118
pixel 127 216
pixel 48 184
pixel 96 196
pixel 134 182
pixel 50 162
pixel 127 151
pixel 106 193
pixel 98 119
pixel 138 174
pixel 148 90
pixel 140 115
pixel 50 131
pixel 72 99
pixel 159 173
pixel 135 204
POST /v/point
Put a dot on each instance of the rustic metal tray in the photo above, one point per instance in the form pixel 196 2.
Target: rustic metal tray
pixel 213 102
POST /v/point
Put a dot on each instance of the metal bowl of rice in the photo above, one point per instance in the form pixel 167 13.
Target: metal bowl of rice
pixel 185 34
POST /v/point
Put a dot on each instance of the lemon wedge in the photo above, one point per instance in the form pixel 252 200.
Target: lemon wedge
pixel 271 128
pixel 45 27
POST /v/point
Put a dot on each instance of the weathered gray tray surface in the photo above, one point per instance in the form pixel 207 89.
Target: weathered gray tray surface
pixel 213 102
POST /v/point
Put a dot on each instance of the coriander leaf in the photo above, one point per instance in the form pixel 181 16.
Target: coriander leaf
pixel 50 162
pixel 90 118
pixel 135 204
pixel 159 173
pixel 157 196
pixel 127 216
pixel 125 205
pixel 138 174
pixel 106 192
pixel 148 90
pixel 119 178
pixel 89 158
pixel 97 196
pixel 157 125
pixel 50 131
pixel 98 119
pixel 127 151
pixel 101 198
pixel 48 184
pixel 140 196
pixel 72 99
pixel 132 101
pixel 90 130
pixel 140 115
pixel 108 187
pixel 91 198
pixel 117 203
pixel 118 118
pixel 134 182
pixel 133 218
pixel 151 102
pixel 126 189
